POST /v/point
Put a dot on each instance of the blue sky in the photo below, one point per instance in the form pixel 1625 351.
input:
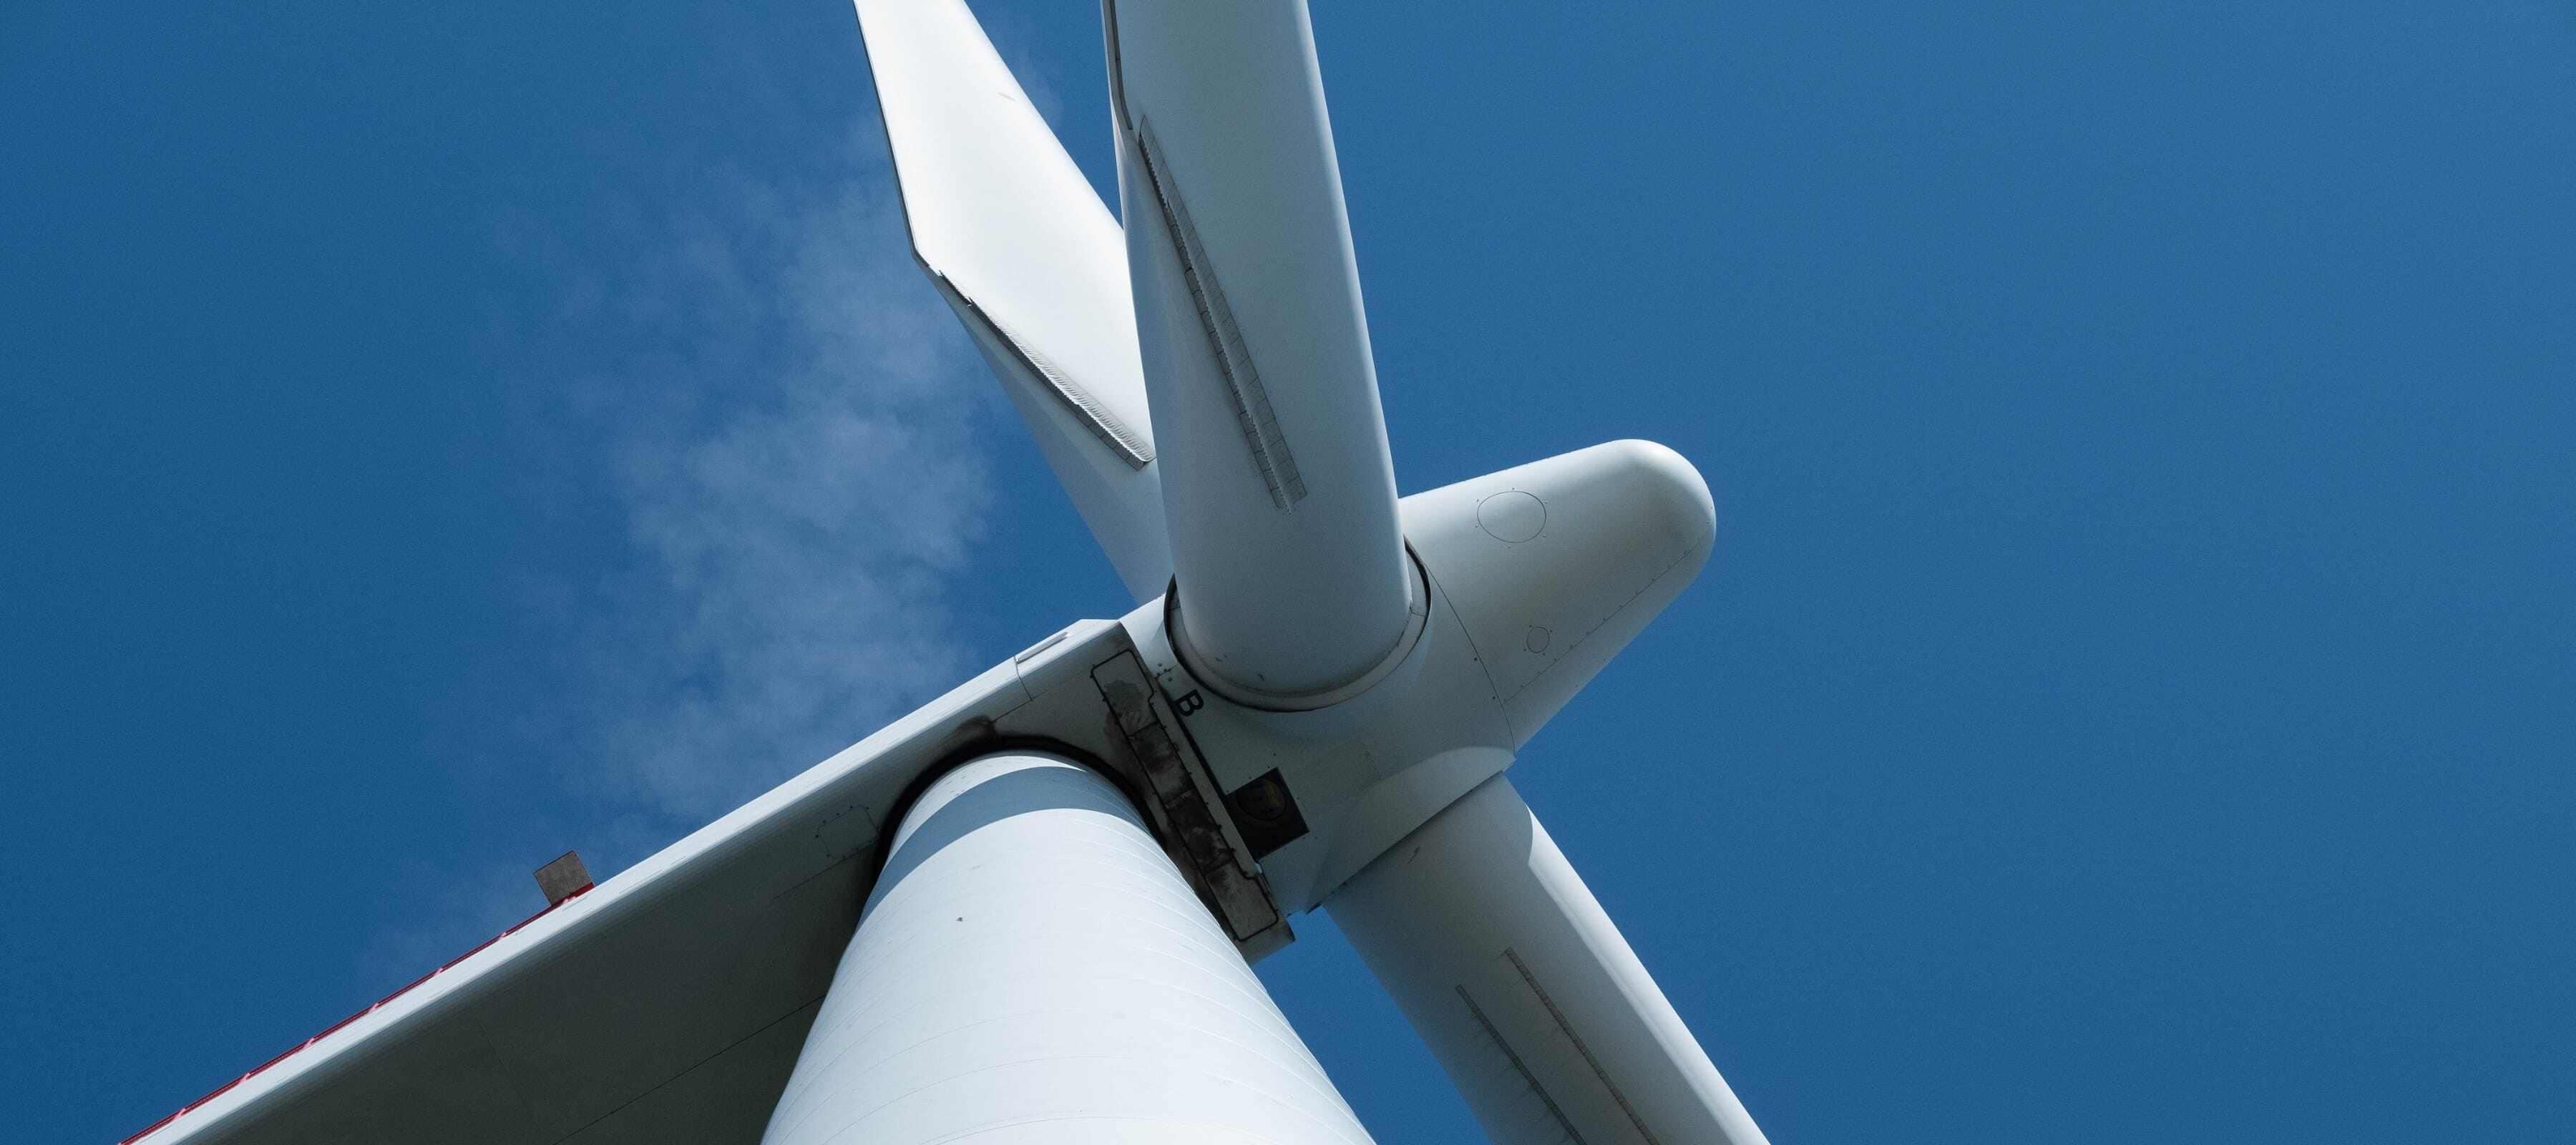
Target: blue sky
pixel 2131 699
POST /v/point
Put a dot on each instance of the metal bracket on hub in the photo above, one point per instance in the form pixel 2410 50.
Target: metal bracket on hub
pixel 1187 809
pixel 1091 698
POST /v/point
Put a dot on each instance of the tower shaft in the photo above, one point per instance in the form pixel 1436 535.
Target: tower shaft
pixel 1031 967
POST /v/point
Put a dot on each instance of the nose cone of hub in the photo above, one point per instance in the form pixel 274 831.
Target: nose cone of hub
pixel 1555 565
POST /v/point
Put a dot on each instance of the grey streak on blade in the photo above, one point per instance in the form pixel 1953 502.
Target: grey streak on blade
pixel 1527 1078
pixel 1514 957
pixel 1233 359
pixel 1095 417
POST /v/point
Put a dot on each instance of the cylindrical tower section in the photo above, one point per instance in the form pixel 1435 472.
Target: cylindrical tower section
pixel 1031 967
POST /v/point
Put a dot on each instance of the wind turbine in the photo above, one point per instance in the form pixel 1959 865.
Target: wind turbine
pixel 1027 912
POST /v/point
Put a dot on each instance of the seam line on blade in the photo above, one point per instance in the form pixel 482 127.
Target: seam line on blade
pixel 1514 957
pixel 1478 1012
pixel 1117 78
pixel 1243 386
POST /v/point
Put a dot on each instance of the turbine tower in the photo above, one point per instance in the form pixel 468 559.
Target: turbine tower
pixel 1028 911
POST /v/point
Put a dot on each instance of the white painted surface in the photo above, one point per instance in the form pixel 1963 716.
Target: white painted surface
pixel 1538 576
pixel 1032 968
pixel 653 1007
pixel 1363 772
pixel 1281 505
pixel 1030 259
pixel 1047 975
pixel 1526 992
pixel 1556 565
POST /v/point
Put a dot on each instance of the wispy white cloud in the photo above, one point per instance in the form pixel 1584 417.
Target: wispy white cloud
pixel 779 413
pixel 804 507
pixel 748 482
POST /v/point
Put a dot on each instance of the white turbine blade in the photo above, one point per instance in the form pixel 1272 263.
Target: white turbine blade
pixel 1526 992
pixel 1277 489
pixel 1033 263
